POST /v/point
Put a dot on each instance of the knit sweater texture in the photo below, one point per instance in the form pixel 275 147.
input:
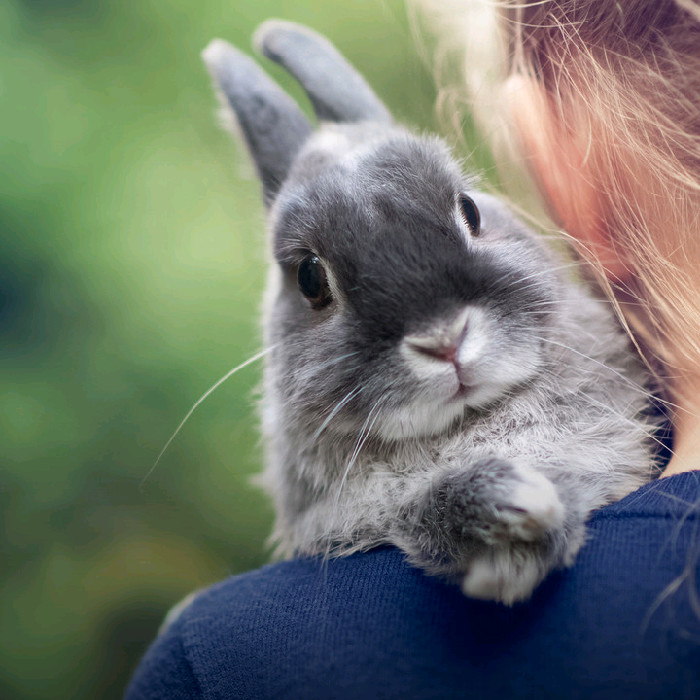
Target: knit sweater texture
pixel 623 622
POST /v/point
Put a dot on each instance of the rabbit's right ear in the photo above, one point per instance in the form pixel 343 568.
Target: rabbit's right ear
pixel 273 126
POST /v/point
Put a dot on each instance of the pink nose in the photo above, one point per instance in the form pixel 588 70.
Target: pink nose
pixel 447 353
pixel 443 341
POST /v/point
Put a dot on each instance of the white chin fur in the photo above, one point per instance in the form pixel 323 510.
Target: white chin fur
pixel 488 392
pixel 417 420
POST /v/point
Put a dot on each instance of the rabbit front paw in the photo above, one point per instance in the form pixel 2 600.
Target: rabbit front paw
pixel 507 575
pixel 501 527
pixel 533 517
pixel 527 505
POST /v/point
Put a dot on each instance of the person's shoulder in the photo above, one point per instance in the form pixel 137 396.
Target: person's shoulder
pixel 284 587
pixel 370 625
pixel 165 672
pixel 294 601
pixel 283 626
pixel 664 497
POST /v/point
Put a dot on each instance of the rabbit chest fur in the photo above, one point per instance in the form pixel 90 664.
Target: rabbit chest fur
pixel 436 380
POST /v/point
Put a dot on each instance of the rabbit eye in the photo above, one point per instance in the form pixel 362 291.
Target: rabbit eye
pixel 313 282
pixel 470 214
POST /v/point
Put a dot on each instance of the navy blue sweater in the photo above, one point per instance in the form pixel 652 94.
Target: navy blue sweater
pixel 624 622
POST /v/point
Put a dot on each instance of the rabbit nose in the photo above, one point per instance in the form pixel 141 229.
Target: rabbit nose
pixel 444 342
pixel 429 347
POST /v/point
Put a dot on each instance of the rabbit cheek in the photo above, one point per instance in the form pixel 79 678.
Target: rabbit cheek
pixel 508 365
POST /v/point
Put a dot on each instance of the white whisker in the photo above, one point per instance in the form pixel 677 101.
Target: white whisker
pixel 364 434
pixel 361 439
pixel 619 374
pixel 204 396
pixel 547 271
pixel 348 397
pixel 622 417
pixel 335 360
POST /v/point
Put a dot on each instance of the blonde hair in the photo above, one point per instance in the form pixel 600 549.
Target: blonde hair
pixel 607 94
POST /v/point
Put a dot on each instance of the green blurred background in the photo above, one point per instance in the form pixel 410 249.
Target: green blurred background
pixel 131 249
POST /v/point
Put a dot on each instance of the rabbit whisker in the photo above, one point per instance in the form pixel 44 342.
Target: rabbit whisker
pixel 627 381
pixel 204 396
pixel 335 360
pixel 361 439
pixel 348 397
pixel 318 371
pixel 610 409
pixel 548 271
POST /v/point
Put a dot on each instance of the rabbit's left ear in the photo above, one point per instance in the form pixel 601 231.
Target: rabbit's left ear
pixel 272 125
pixel 337 91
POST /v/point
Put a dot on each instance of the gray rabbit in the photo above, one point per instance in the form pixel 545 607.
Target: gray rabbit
pixel 436 381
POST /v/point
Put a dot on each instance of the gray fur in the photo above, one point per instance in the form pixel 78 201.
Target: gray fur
pixel 484 470
pixel 337 91
pixel 273 126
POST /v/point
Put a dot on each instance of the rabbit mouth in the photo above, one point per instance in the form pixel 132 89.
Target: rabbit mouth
pixel 462 393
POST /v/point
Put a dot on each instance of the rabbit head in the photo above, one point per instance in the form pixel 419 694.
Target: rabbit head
pixel 399 296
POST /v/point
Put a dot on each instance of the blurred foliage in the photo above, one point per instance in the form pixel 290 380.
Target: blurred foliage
pixel 131 250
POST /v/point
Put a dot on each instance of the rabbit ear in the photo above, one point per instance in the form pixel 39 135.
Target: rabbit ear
pixel 273 126
pixel 336 90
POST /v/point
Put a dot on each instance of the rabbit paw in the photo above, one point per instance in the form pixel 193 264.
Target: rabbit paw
pixel 532 508
pixel 506 575
pixel 496 501
pixel 500 526
pixel 531 516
